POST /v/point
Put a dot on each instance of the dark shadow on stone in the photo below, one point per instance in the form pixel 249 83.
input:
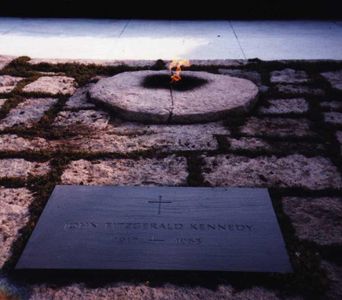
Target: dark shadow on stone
pixel 163 81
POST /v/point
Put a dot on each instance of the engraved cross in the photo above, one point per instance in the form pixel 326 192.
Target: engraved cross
pixel 159 203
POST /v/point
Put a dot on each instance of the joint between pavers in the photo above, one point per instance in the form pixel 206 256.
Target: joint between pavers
pixel 172 107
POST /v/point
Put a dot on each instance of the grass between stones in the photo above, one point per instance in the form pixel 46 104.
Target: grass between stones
pixel 308 279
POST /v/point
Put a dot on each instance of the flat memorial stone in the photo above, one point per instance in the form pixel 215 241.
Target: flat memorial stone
pixel 149 96
pixel 157 228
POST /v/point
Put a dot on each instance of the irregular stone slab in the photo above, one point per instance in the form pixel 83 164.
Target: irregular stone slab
pixel 269 171
pixel 90 119
pixel 339 139
pixel 5 60
pixel 222 95
pixel 171 170
pixel 12 142
pixel 8 83
pixel 2 102
pixel 14 215
pixel 285 106
pixel 79 100
pixel 334 118
pixel 53 85
pixel 273 147
pixel 289 76
pixel 277 127
pixel 298 90
pixel 250 75
pixel 167 291
pixel 334 273
pixel 124 94
pixel 21 168
pixel 248 144
pixel 27 113
pixel 331 105
pixel 316 219
pixel 339 136
pixel 334 78
pixel 127 137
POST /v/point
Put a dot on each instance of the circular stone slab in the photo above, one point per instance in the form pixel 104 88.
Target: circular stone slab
pixel 202 97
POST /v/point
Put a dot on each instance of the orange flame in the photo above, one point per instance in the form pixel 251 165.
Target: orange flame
pixel 178 64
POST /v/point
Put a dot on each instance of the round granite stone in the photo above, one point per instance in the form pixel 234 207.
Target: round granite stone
pixel 125 94
pixel 148 96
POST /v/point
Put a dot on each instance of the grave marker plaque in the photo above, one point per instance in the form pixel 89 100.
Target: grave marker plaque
pixel 157 228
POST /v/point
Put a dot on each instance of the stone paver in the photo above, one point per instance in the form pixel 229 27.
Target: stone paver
pixel 334 273
pixel 278 127
pixel 250 75
pixel 339 139
pixel 90 119
pixel 129 137
pixel 285 106
pixel 15 143
pixel 248 144
pixel 317 220
pixel 171 170
pixel 331 105
pixel 334 118
pixel 20 168
pixel 80 100
pixel 289 76
pixel 208 102
pixel 269 171
pixel 14 215
pixel 27 113
pixel 272 147
pixel 298 90
pixel 8 83
pixel 145 292
pixel 5 60
pixel 339 136
pixel 2 102
pixel 334 78
pixel 53 85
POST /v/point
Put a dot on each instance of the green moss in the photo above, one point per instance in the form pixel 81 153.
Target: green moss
pixel 18 67
pixel 10 104
pixel 308 280
pixel 195 177
pixel 82 72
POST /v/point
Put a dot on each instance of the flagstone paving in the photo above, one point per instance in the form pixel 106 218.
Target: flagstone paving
pixel 8 83
pixel 334 78
pixel 14 215
pixel 291 142
pixel 4 61
pixel 289 76
pixel 28 113
pixel 52 85
pixel 2 102
pixel 285 106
